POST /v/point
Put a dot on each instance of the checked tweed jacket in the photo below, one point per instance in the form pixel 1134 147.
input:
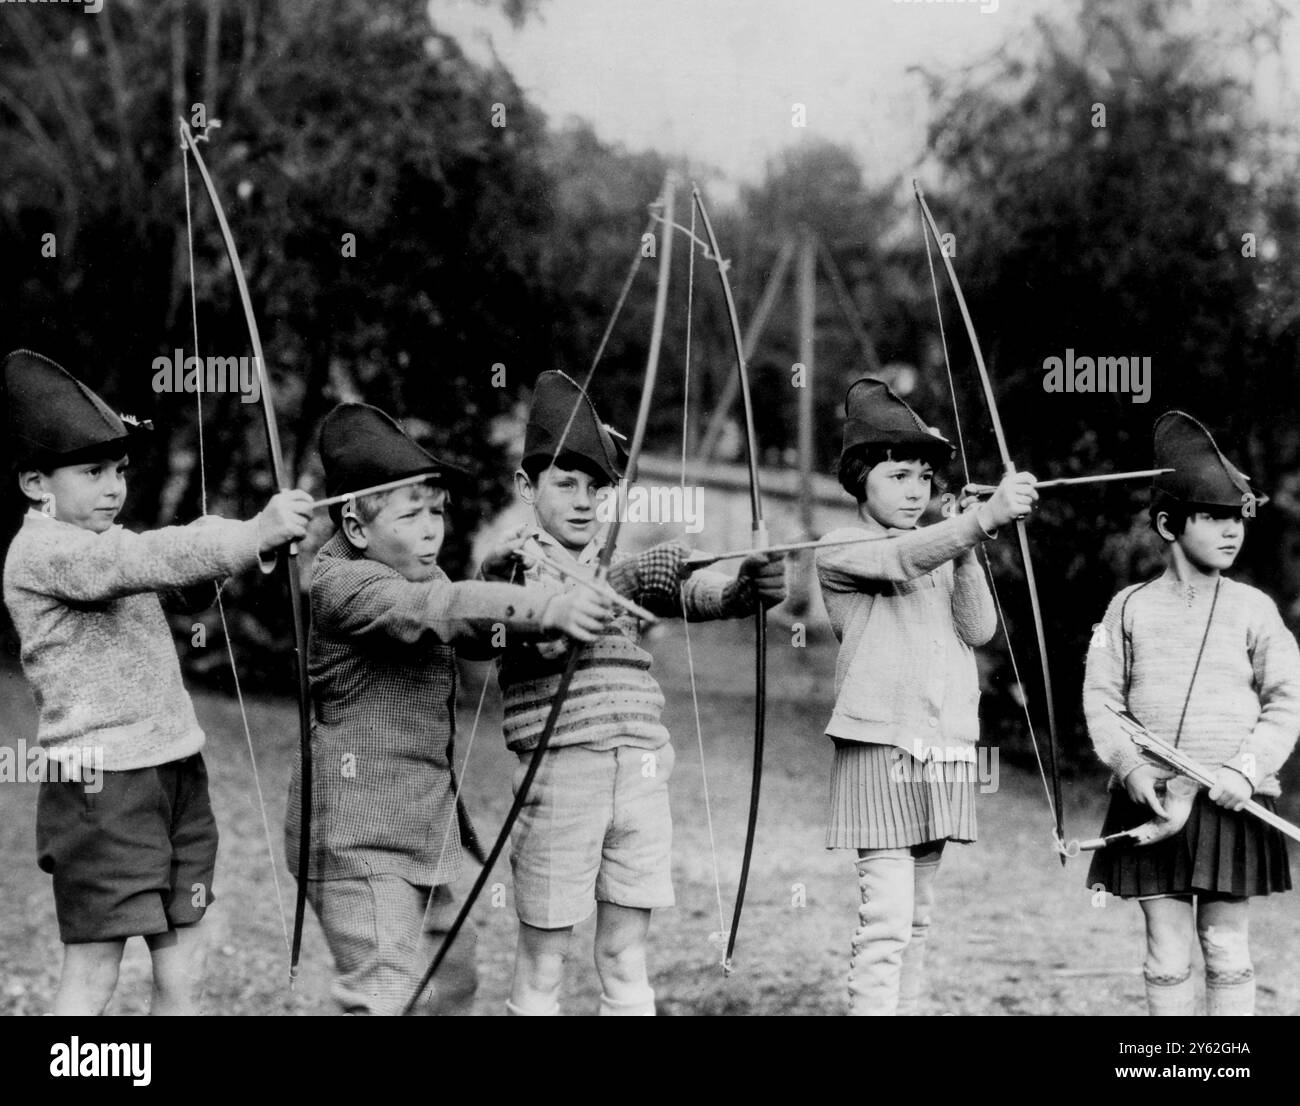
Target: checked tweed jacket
pixel 382 662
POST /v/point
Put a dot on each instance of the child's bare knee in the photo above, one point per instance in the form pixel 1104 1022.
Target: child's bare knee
pixel 624 961
pixel 1226 948
pixel 541 962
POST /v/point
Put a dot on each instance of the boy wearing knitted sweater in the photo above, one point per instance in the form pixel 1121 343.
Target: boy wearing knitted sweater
pixel 131 848
pixel 387 623
pixel 908 606
pixel 1208 665
pixel 596 831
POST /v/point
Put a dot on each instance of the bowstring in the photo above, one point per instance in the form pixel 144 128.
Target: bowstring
pixel 458 786
pixel 983 554
pixel 221 608
pixel 681 597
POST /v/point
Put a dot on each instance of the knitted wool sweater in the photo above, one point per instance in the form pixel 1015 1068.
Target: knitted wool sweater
pixel 613 700
pixel 1246 694
pixel 95 643
pixel 907 619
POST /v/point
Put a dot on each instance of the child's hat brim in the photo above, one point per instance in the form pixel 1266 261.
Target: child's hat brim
pixel 362 447
pixel 1202 476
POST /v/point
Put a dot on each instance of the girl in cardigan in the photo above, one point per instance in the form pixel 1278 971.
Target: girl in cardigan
pixel 908 610
pixel 1207 664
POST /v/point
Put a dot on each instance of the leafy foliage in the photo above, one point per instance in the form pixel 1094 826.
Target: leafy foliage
pixel 342 117
pixel 1122 239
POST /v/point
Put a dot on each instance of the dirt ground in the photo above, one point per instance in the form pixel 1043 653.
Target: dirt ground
pixel 1015 932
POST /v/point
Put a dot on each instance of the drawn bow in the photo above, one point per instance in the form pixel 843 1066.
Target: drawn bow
pixel 760 541
pixel 288 564
pixel 1008 466
pixel 602 570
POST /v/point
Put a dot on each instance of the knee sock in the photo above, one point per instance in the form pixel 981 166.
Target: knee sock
pixel 1170 996
pixel 643 1006
pixel 1229 974
pixel 521 1012
pixel 1229 994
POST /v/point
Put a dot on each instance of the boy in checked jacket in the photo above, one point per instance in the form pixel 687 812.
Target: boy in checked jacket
pixel 596 833
pixel 386 624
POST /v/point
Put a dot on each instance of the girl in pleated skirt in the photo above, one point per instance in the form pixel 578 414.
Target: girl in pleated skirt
pixel 1206 664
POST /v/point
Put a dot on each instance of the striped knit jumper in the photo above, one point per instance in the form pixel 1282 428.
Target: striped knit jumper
pixel 613 700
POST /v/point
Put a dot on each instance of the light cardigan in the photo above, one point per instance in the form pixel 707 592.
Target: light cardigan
pixel 907 620
pixel 1246 696
pixel 95 643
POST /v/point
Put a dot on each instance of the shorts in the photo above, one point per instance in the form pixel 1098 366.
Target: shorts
pixel 596 828
pixel 383 934
pixel 132 859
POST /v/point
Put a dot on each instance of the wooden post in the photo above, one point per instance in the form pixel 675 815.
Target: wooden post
pixel 799 579
pixel 757 323
pixel 807 293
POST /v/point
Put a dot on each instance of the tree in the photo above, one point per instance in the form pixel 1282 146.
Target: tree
pixel 1099 186
pixel 337 117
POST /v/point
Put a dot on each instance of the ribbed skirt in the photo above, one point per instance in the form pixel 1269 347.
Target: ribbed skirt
pixel 884 798
pixel 1218 852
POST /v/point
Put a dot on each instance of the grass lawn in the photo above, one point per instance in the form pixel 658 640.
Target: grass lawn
pixel 1015 932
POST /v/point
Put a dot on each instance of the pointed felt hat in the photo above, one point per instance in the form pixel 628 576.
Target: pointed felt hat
pixel 361 447
pixel 1202 475
pixel 55 420
pixel 562 422
pixel 874 415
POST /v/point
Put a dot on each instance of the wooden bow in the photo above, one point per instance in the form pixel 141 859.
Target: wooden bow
pixel 1008 466
pixel 760 541
pixel 602 570
pixel 288 564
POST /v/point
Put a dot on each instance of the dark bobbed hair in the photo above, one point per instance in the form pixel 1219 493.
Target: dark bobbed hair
pixel 858 461
pixel 1179 511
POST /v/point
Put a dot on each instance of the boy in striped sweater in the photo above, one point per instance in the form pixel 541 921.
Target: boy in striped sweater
pixel 596 832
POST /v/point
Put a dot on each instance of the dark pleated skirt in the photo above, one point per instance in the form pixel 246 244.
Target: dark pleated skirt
pixel 1218 852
